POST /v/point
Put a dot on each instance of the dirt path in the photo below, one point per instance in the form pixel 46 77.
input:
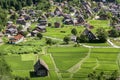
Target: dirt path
pixel 97 65
pixel 56 69
pixel 43 50
pixel 77 66
pixel 53 38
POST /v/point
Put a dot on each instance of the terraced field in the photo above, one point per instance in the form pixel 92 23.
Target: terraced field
pixel 22 65
pixel 67 63
pixel 98 60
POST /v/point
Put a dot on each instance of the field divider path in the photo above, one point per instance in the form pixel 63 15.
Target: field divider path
pixel 56 69
pixel 53 38
pixel 77 66
pixel 97 65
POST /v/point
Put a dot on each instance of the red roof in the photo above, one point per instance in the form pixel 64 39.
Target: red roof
pixel 16 38
pixel 19 36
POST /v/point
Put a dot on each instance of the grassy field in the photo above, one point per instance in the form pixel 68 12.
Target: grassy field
pixel 99 23
pixel 29 46
pixel 56 32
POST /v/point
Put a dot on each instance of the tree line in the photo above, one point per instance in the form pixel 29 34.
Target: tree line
pixel 19 4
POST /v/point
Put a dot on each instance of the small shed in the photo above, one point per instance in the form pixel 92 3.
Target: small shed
pixel 41 68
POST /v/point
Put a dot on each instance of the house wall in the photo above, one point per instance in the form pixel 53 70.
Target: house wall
pixel 42 73
pixel 20 40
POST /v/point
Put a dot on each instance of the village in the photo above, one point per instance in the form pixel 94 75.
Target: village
pixel 67 42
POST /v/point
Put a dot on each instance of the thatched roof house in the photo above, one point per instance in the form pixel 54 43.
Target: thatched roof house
pixel 41 68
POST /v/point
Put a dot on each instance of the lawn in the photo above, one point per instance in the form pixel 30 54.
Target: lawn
pixel 33 25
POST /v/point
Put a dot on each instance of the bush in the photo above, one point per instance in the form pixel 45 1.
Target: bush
pixel 74 31
pixel 102 35
pixel 83 38
pixel 49 24
pixel 48 41
pixel 66 39
pixel 39 35
pixel 24 33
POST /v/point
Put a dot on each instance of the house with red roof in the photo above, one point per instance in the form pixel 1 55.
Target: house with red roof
pixel 16 39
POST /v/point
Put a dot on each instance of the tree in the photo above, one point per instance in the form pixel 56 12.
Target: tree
pixel 3 18
pixel 39 35
pixel 101 35
pixel 74 31
pixel 24 33
pixel 18 6
pixel 114 75
pixel 43 5
pixel 78 39
pixel 83 38
pixel 5 71
pixel 14 16
pixel 29 2
pixel 66 39
pixel 102 76
pixel 48 41
pixel 114 33
pixel 19 28
pixel 118 1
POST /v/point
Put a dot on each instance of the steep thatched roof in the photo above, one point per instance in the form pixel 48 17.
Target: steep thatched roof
pixel 39 64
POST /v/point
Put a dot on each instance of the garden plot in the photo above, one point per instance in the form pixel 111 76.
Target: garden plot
pixel 31 46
